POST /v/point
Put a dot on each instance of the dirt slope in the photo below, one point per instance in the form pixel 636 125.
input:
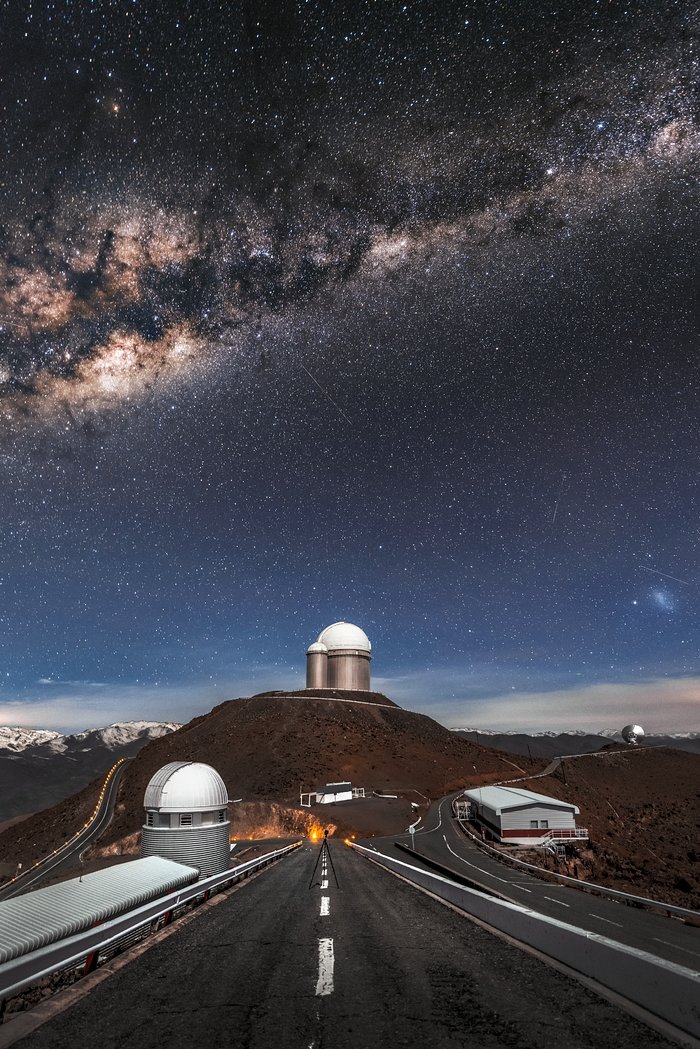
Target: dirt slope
pixel 642 809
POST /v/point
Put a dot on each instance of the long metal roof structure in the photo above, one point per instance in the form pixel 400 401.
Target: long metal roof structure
pixel 56 911
pixel 501 799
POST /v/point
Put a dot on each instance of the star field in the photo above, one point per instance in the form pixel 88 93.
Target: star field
pixel 379 311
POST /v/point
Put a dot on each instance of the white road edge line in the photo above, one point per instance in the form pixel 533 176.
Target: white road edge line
pixel 561 904
pixel 325 906
pixel 324 984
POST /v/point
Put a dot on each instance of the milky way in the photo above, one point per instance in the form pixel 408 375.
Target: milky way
pixel 386 311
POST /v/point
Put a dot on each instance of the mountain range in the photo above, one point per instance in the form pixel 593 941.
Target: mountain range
pixel 39 767
pixel 576 741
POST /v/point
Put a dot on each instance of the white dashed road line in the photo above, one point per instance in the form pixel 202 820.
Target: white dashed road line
pixel 324 883
pixel 561 904
pixel 684 949
pixel 487 873
pixel 325 906
pixel 324 984
pixel 609 922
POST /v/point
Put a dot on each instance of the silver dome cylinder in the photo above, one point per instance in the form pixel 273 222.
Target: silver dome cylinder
pixel 187 820
pixel 317 666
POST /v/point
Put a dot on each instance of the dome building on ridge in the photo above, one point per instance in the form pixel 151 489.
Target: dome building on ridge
pixel 339 658
pixel 187 820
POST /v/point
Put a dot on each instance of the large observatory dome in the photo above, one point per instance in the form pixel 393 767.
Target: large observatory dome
pixel 186 785
pixel 344 636
pixel 339 658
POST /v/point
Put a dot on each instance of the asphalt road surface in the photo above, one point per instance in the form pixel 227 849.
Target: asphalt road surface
pixel 68 856
pixel 441 839
pixel 375 962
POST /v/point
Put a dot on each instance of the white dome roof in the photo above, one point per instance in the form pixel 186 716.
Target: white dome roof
pixel 183 786
pixel 316 647
pixel 344 635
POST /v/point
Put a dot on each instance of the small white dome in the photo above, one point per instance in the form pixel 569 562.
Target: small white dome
pixel 316 647
pixel 185 786
pixel 344 635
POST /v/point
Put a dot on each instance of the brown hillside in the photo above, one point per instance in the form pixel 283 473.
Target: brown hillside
pixel 270 745
pixel 642 809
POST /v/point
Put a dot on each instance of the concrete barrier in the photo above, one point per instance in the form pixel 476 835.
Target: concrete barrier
pixel 663 988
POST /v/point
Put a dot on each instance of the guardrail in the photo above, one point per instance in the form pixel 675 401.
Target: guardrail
pixel 23 972
pixel 662 988
pixel 587 886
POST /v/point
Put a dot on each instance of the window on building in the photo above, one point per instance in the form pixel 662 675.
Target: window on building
pixel 533 824
pixel 544 824
pixel 185 819
pixel 150 819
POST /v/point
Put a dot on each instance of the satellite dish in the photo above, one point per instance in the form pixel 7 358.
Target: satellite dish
pixel 632 734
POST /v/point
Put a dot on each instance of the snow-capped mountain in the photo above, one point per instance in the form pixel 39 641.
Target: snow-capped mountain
pixel 17 739
pixel 113 737
pixel 39 767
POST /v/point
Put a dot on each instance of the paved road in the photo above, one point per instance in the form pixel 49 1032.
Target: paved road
pixel 371 963
pixel 442 840
pixel 68 855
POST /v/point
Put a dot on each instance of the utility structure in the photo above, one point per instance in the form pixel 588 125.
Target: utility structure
pixel 514 816
pixel 187 820
pixel 339 658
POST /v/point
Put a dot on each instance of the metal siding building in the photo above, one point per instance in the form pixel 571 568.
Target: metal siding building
pixel 187 821
pixel 46 915
pixel 521 817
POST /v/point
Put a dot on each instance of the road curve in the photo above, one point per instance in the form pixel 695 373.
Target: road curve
pixel 68 854
pixel 371 962
pixel 442 840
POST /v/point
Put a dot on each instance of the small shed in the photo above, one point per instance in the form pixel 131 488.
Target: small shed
pixel 333 792
pixel 515 816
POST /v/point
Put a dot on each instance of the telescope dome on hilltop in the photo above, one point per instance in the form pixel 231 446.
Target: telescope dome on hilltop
pixel 187 785
pixel 344 635
pixel 632 733
pixel 339 658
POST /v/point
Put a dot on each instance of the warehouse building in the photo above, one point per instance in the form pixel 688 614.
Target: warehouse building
pixel 514 816
pixel 187 820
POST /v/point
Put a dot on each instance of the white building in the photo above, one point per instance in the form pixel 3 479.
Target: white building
pixel 333 792
pixel 515 816
pixel 187 820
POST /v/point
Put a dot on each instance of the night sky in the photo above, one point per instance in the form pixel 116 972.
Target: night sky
pixel 374 311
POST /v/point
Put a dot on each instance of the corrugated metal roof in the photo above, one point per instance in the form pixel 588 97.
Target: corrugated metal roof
pixel 46 915
pixel 504 798
pixel 183 786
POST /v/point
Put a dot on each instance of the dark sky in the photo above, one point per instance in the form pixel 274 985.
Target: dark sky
pixel 376 311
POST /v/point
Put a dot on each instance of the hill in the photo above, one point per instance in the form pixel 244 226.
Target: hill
pixel 269 746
